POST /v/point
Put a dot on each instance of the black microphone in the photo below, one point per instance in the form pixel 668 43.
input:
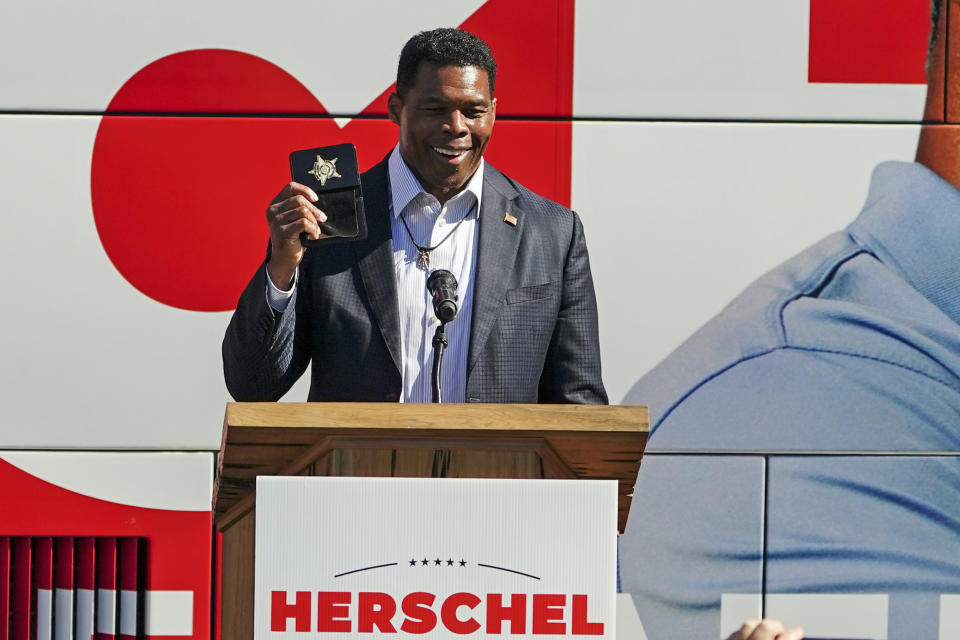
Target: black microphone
pixel 442 285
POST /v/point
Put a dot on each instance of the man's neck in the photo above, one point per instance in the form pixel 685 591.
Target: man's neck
pixel 939 146
pixel 939 150
pixel 405 184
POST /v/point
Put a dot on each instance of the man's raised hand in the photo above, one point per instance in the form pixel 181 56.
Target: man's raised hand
pixel 291 213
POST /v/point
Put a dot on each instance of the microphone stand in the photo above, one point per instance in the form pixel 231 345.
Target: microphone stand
pixel 439 344
pixel 442 286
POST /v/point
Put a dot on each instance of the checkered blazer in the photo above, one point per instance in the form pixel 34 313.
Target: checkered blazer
pixel 534 327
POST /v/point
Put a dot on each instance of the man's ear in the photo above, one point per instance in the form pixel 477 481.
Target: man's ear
pixel 394 106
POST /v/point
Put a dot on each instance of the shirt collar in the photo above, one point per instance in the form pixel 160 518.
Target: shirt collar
pixel 911 222
pixel 404 186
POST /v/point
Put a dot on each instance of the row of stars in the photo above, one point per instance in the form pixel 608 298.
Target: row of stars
pixel 437 562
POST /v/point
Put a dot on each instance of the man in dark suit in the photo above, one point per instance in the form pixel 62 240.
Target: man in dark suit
pixel 527 327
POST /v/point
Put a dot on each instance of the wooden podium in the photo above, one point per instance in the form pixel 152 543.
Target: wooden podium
pixel 406 440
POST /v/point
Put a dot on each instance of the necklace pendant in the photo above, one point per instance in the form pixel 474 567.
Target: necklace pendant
pixel 423 258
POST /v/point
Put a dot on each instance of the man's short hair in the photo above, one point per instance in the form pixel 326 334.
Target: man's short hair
pixel 443 48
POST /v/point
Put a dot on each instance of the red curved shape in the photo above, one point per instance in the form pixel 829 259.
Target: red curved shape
pixel 178 548
pixel 213 81
pixel 178 201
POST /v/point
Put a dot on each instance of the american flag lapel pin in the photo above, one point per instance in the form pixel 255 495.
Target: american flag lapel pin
pixel 510 220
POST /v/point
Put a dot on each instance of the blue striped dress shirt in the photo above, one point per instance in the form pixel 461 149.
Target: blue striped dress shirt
pixel 429 224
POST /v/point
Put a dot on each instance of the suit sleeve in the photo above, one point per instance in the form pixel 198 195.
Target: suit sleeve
pixel 571 372
pixel 265 351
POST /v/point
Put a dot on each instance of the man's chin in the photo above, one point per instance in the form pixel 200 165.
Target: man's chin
pixel 452 184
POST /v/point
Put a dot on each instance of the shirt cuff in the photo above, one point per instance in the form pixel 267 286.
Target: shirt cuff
pixel 278 299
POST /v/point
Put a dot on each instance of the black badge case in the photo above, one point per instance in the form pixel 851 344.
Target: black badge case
pixel 333 175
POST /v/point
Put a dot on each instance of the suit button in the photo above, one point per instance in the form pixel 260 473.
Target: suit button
pixel 391 397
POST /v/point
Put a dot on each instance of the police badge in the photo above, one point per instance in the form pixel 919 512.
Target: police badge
pixel 333 174
pixel 324 170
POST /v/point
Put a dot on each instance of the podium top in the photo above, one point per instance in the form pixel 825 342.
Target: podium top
pixel 569 441
pixel 383 415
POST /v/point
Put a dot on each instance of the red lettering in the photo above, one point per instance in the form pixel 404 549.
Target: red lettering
pixel 516 613
pixel 420 618
pixel 548 613
pixel 375 609
pixel 578 624
pixel 448 613
pixel 281 611
pixel 333 611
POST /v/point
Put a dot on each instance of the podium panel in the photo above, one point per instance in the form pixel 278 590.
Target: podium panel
pixel 406 440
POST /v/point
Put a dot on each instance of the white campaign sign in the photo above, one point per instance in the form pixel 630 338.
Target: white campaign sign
pixel 435 558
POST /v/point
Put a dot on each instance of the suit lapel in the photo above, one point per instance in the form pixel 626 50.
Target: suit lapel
pixel 496 252
pixel 375 259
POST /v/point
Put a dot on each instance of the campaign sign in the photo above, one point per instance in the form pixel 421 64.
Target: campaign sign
pixel 434 558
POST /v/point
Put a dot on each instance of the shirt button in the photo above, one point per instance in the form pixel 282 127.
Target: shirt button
pixel 391 397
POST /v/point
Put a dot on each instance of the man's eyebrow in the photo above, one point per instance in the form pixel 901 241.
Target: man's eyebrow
pixel 469 102
pixel 439 97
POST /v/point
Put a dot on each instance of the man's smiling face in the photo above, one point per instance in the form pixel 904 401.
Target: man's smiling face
pixel 446 119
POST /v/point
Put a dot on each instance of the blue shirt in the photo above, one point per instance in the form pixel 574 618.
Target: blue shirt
pixel 835 379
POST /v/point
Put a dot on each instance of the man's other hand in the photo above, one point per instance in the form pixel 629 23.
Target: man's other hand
pixel 766 630
pixel 290 214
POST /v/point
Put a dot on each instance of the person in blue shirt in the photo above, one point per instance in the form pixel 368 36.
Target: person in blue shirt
pixel 851 347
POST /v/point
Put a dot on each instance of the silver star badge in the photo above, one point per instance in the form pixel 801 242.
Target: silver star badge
pixel 324 170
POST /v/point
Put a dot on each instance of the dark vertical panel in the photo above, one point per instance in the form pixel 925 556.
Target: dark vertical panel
pixel 86 587
pixel 129 595
pixel 4 588
pixel 20 622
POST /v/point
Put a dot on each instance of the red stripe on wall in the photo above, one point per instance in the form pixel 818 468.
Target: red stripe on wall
pixel 107 563
pixel 85 564
pixel 63 549
pixel 106 582
pixel 129 563
pixel 217 584
pixel 128 557
pixel 43 548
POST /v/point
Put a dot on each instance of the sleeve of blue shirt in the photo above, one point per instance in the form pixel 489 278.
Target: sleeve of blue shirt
pixel 806 440
pixel 830 523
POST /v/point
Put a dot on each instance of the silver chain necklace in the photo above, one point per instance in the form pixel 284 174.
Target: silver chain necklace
pixel 423 253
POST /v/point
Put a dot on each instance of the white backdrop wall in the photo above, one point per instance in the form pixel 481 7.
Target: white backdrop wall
pixel 702 143
pixel 679 215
